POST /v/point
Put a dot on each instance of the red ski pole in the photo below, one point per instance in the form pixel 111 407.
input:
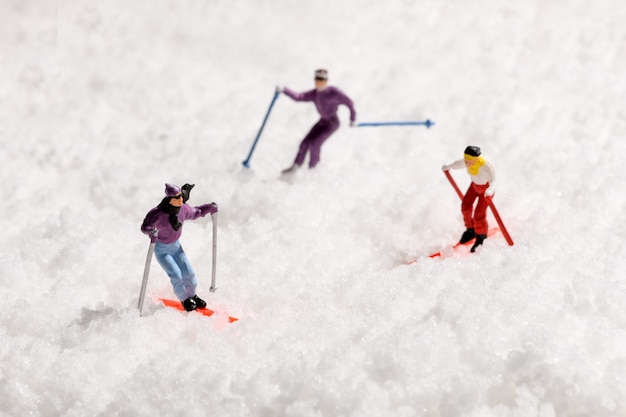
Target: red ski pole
pixel 505 233
pixel 456 187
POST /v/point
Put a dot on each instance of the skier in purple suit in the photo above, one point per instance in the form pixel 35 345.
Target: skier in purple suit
pixel 327 99
pixel 164 225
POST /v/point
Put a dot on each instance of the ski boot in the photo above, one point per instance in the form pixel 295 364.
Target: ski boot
pixel 468 235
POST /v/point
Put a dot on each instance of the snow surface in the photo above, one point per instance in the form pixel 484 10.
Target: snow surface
pixel 101 103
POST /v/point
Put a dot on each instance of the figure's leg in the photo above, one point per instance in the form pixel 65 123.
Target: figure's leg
pixel 190 282
pixel 302 150
pixel 164 255
pixel 467 209
pixel 307 141
pixel 480 216
pixel 317 142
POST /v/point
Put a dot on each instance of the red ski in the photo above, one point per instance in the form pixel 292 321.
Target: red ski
pixel 439 254
pixel 204 311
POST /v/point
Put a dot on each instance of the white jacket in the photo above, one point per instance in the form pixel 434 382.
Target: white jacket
pixel 486 174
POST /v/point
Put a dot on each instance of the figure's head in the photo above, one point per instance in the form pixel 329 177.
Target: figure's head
pixel 175 195
pixel 471 155
pixel 321 78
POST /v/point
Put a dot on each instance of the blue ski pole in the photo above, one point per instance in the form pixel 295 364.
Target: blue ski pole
pixel 428 123
pixel 246 163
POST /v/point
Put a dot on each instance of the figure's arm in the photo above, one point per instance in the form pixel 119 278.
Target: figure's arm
pixel 306 96
pixel 458 164
pixel 192 213
pixel 148 226
pixel 491 175
pixel 345 100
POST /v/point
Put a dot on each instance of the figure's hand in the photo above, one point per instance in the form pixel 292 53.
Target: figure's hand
pixel 186 190
pixel 153 234
pixel 279 89
pixel 489 193
pixel 353 123
pixel 445 168
pixel 208 209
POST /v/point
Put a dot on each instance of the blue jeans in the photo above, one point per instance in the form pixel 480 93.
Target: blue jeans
pixel 172 258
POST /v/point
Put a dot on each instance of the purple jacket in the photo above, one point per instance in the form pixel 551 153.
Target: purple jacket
pixel 157 219
pixel 326 100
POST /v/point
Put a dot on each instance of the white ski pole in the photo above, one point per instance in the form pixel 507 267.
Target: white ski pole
pixel 214 264
pixel 146 273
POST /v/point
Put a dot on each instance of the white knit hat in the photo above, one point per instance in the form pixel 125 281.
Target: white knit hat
pixel 321 74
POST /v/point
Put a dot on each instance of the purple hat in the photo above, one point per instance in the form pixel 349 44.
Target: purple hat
pixel 171 190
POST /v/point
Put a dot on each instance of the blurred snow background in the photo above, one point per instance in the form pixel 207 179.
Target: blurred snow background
pixel 101 103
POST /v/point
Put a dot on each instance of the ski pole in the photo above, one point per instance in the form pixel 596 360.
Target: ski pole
pixel 456 187
pixel 246 163
pixel 505 232
pixel 428 123
pixel 213 263
pixel 146 273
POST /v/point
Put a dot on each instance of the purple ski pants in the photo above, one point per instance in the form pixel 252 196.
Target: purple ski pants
pixel 314 140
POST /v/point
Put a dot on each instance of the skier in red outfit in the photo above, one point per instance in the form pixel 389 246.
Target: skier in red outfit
pixel 327 99
pixel 483 177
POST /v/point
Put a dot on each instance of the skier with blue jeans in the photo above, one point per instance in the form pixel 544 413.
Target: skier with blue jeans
pixel 164 225
pixel 327 99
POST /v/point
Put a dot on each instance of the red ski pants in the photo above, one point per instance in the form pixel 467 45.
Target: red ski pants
pixel 475 218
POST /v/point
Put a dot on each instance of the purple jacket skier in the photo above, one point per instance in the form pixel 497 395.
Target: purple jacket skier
pixel 327 99
pixel 164 225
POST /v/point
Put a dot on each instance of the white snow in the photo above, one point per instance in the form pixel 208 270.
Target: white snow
pixel 101 103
